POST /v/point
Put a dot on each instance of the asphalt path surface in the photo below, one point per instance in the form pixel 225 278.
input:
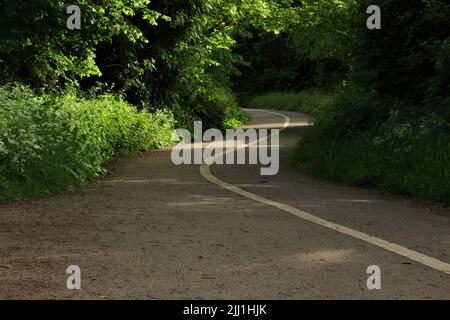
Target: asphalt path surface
pixel 154 230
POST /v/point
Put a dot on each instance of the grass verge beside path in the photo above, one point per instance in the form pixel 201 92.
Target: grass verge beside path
pixel 53 143
pixel 364 141
pixel 311 102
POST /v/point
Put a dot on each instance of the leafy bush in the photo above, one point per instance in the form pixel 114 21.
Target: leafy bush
pixel 50 143
pixel 219 109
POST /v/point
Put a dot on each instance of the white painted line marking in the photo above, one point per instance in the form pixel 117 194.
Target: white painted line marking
pixel 389 246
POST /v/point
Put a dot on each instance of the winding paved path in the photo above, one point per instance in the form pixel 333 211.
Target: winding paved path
pixel 156 230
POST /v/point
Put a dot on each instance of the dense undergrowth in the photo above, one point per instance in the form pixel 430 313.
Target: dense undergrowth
pixel 395 153
pixel 51 143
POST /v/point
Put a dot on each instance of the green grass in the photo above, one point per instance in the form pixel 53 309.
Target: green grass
pixel 422 170
pixel 312 102
pixel 53 143
pixel 354 142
